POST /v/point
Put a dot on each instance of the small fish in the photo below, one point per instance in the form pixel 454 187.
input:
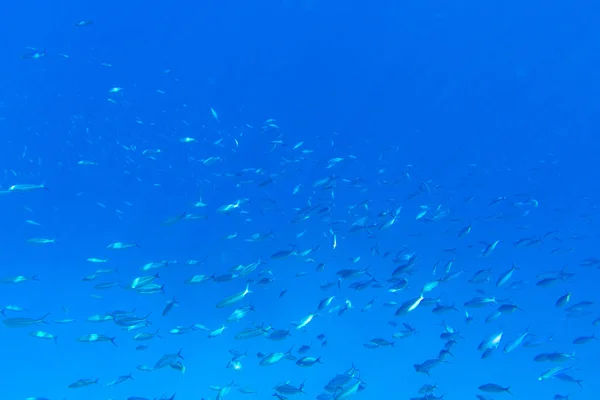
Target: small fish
pixel 563 300
pixel 234 298
pixel 41 241
pixel 506 276
pixel 83 383
pixel 96 260
pixel 584 339
pixel 214 114
pixel 95 337
pixel 305 321
pixel 43 335
pixel 217 332
pixel 119 380
pixel 494 388
pixel 489 248
pixel 86 22
pixel 122 246
pixel 464 231
pixel 23 322
pixel 169 306
pixel 26 187
pixel 19 279
pixel 516 343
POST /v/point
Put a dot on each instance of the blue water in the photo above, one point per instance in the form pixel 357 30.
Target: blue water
pixel 434 106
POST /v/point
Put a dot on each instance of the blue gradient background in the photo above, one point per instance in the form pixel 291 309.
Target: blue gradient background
pixel 507 86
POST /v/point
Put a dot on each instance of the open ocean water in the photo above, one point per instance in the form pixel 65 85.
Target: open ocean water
pixel 299 199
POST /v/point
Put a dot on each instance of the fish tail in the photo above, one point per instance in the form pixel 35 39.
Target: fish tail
pixel 43 318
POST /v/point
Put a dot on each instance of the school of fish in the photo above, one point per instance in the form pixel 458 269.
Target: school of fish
pixel 361 244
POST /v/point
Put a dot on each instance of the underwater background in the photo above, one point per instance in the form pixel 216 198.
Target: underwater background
pixel 408 188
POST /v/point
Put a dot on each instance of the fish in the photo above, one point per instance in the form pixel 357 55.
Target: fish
pixel 95 337
pixel 122 246
pixel 494 388
pixel 24 322
pixel 339 231
pixel 26 187
pixel 83 383
pixel 234 298
pixel 43 335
